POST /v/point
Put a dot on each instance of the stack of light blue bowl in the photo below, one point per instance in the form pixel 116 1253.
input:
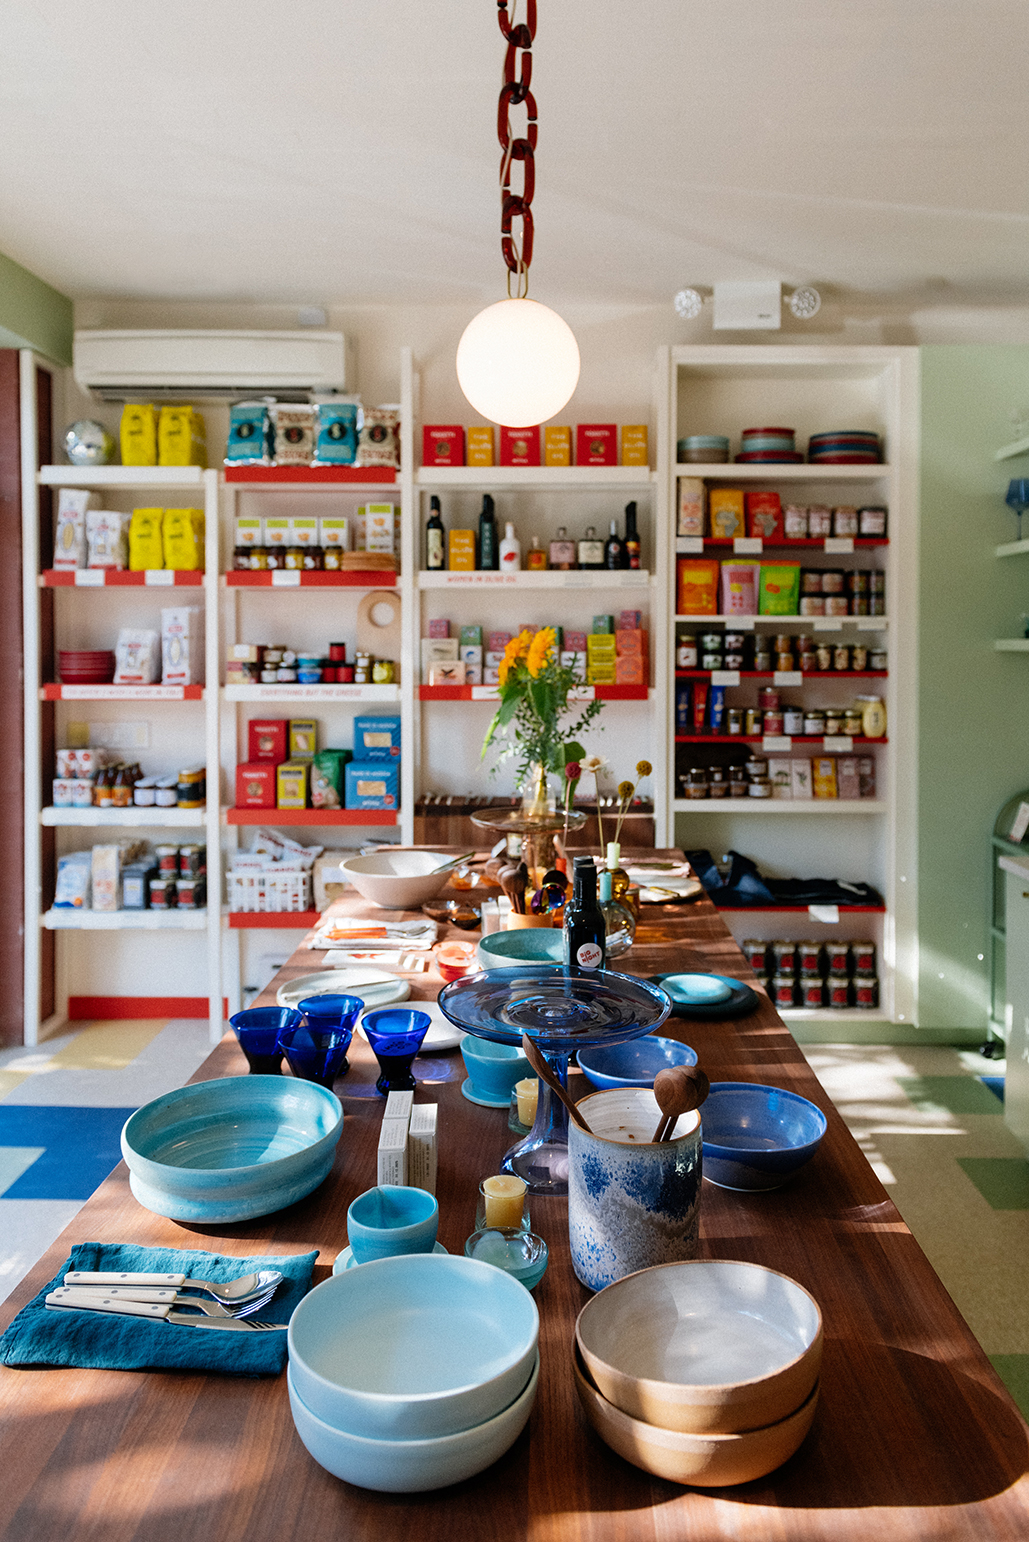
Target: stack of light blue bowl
pixel 696 449
pixel 413 1372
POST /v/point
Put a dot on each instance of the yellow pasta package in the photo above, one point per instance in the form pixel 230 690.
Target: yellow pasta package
pixel 146 541
pixel 181 437
pixel 184 539
pixel 139 434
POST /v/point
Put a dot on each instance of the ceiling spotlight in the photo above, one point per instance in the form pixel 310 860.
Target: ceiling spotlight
pixel 688 304
pixel 805 303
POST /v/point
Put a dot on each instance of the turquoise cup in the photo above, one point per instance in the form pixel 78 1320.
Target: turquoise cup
pixel 492 1068
pixel 390 1219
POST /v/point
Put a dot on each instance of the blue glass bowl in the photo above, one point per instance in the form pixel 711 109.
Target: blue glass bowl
pixel 332 1011
pixel 634 1064
pixel 231 1149
pixel 316 1052
pixel 560 1010
pixel 257 1030
pixel 756 1137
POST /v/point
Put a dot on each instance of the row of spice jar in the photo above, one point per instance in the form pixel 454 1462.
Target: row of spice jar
pixel 839 592
pixel 813 974
pixel 264 664
pixel 124 786
pixel 827 776
pixel 701 709
pixel 780 651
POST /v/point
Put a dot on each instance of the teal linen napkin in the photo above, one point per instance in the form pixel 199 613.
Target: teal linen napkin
pixel 99 1341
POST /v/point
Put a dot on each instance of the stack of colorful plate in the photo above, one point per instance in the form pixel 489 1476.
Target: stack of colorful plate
pixel 695 449
pixel 768 446
pixel 85 666
pixel 845 447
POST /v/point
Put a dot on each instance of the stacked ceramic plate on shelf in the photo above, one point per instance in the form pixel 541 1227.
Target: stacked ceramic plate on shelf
pixel 85 666
pixel 845 447
pixel 768 446
pixel 696 449
pixel 703 1373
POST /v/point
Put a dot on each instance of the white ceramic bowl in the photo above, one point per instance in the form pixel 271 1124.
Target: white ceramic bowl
pixel 709 1346
pixel 413 1347
pixel 398 879
pixel 412 1466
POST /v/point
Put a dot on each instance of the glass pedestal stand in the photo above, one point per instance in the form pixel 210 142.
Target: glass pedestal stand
pixel 562 1011
pixel 539 849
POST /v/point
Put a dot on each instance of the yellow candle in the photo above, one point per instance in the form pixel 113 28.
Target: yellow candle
pixel 528 1095
pixel 505 1200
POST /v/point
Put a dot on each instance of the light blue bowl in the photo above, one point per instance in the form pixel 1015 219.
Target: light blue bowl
pixel 634 1064
pixel 493 1069
pixel 412 1348
pixel 527 945
pixel 412 1466
pixel 230 1149
pixel 392 1219
pixel 756 1137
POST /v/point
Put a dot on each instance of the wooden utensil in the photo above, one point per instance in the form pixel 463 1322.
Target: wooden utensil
pixel 678 1090
pixel 539 1064
pixel 509 881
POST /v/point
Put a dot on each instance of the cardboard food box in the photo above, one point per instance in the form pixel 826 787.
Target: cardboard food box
pixel 461 551
pixel 453 673
pixel 255 784
pixel 442 445
pixel 557 445
pixel 379 529
pixel 106 877
pixel 303 738
pixel 334 530
pixel 520 446
pixel 823 776
pixel 596 444
pixel 377 738
pixel 635 446
pixel 292 783
pixel 479 445
pixel 630 669
pixel 266 739
pixel 373 784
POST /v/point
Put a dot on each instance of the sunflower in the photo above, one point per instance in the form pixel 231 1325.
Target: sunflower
pixel 516 648
pixel 539 650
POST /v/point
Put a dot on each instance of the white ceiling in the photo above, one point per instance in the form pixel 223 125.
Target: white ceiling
pixel 338 152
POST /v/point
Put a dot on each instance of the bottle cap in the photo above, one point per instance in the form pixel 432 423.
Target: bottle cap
pixel 509 534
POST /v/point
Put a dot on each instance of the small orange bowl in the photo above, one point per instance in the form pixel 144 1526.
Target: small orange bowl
pixel 456 959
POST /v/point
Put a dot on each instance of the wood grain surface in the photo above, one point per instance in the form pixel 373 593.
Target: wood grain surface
pixel 915 1437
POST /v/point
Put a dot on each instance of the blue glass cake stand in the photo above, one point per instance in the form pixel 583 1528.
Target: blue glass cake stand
pixel 562 1011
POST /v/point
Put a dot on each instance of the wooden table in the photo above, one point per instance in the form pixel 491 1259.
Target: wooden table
pixel 915 1436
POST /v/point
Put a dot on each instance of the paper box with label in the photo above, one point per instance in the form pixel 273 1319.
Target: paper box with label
pixel 303 738
pixel 453 673
pixel 276 530
pixel 292 780
pixel 557 445
pixel 70 531
pixel 106 877
pixel 781 777
pixel 692 504
pixel 596 444
pixel 635 448
pixel 266 739
pixel 378 529
pixel 182 645
pixel 461 551
pixel 442 445
pixel 479 445
pixel 520 446
pixel 439 627
pixel 249 532
pixel 334 530
pixel 373 784
pixel 630 669
pixel 255 784
pixel 377 738
pixel 304 531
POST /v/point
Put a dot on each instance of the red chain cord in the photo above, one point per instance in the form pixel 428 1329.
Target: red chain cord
pixel 515 91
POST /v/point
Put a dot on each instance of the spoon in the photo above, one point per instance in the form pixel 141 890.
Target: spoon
pixel 543 1071
pixel 678 1090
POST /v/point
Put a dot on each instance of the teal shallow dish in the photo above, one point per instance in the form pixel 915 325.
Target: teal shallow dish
pixel 231 1149
pixel 526 945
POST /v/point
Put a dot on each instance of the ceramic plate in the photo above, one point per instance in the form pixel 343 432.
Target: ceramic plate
pixel 346 1259
pixel 442 1035
pixel 691 998
pixel 660 892
pixel 375 987
pixel 481 1101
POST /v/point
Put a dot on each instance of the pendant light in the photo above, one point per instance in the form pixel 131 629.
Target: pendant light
pixel 517 361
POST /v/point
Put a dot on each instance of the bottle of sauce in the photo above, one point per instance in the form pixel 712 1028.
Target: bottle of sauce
pixel 434 542
pixel 632 539
pixel 585 929
pixel 615 555
pixel 591 550
pixel 536 556
pixel 489 556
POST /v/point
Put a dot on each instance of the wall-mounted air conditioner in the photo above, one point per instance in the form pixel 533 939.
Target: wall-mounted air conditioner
pixel 188 365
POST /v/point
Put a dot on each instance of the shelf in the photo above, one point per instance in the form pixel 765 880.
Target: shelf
pixel 1012 645
pixel 840 744
pixel 755 546
pixel 312 693
pixel 121 693
pixel 770 674
pixel 492 693
pixel 124 920
pixel 311 476
pixel 311 816
pixel 729 471
pixel 1019 447
pixel 292 578
pixel 1012 548
pixel 781 910
pixel 832 1014
pixel 145 818
pixel 112 578
pixel 779 806
pixel 259 920
pixel 547 478
pixel 816 623
pixel 121 476
pixel 585 578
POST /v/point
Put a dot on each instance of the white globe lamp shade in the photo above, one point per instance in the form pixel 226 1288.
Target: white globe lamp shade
pixel 517 363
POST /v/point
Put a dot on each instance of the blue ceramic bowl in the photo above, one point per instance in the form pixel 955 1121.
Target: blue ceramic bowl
pixel 413 1348
pixel 392 1219
pixel 756 1137
pixel 492 1068
pixel 412 1466
pixel 231 1149
pixel 634 1064
pixel 528 945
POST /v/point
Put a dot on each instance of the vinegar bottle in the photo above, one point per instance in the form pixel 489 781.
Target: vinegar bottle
pixel 585 928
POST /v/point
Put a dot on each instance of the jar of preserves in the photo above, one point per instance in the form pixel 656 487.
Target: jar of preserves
pixel 833 722
pixel 858 581
pixel 845 520
pixel 841 656
pixel 756 767
pixel 762 659
pixel 872 521
pixel 782 642
pixel 768 698
pixel 819 521
pixel 814 723
pixel 812 993
pixel 734 720
pixel 785 955
pixel 837 605
pixel 824 655
pixel 695 782
pixel 833 581
pixel 793 721
pixel 760 787
pixel 838 986
pixel 686 654
pixel 752 722
pixel 794 518
pixel 863 953
pixel 785 663
pixel 293 559
pixel 809 955
pixel 782 990
pixel 877 658
pixel 332 559
pixel 241 559
pixel 773 723
pixel 858 658
pixel 866 991
pixel 808 663
pixel 837 957
pixel 852 723
pixel 711 642
pixel 812 605
pixel 711 661
pixel 755 951
pixel 810 581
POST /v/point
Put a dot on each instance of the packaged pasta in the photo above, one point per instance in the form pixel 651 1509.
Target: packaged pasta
pixel 137 657
pixel 146 540
pixel 139 434
pixel 181 437
pixel 70 529
pixel 293 424
pixel 183 539
pixel 107 538
pixel 378 443
pixel 336 433
pixel 249 441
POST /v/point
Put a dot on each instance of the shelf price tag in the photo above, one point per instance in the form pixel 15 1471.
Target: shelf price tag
pixel 285 578
pixel 839 543
pixel 747 545
pixel 725 677
pixel 741 623
pixel 772 743
pixel 841 743
pixel 829 915
pixel 871 623
pixel 689 545
pixel 162 578
pixel 826 624
pixel 89 578
pixel 787 677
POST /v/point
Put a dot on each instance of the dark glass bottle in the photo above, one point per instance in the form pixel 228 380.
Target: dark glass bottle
pixel 434 537
pixel 615 555
pixel 585 927
pixel 632 539
pixel 489 545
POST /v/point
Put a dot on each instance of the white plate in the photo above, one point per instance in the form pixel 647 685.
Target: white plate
pixel 442 1035
pixel 375 987
pixel 679 888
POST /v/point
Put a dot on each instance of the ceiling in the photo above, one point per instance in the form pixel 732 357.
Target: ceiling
pixel 331 152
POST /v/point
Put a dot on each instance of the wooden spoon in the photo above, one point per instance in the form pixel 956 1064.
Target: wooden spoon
pixel 678 1090
pixel 543 1071
pixel 510 883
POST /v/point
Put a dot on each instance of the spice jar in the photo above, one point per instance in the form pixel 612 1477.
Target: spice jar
pixel 793 721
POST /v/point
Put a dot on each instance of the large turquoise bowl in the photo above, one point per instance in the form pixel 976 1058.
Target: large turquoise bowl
pixel 233 1148
pixel 526 945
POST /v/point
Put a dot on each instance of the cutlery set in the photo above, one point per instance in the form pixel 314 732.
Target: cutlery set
pixel 224 1304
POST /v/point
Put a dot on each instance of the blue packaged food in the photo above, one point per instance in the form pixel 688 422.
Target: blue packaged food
pixel 336 434
pixel 716 709
pixel 249 435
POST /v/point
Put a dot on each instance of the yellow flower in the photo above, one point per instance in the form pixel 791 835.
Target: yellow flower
pixel 539 650
pixel 512 653
pixel 643 768
pixel 625 790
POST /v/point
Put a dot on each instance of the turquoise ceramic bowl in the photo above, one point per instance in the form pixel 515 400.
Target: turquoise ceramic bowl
pixel 412 1466
pixel 412 1348
pixel 493 1069
pixel 634 1064
pixel 230 1149
pixel 392 1219
pixel 528 945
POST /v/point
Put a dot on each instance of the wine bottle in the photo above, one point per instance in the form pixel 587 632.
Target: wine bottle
pixel 489 556
pixel 562 551
pixel 632 539
pixel 615 555
pixel 434 536
pixel 585 928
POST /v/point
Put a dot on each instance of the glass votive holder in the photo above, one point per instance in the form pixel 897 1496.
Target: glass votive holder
pixel 503 1204
pixel 521 1254
pixel 514 1123
pixel 257 1030
pixel 315 1054
pixel 395 1035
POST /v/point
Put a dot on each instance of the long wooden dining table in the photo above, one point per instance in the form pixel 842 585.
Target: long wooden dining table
pixel 915 1437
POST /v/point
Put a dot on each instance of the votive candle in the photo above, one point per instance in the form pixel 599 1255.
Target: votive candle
pixel 527 1092
pixel 505 1200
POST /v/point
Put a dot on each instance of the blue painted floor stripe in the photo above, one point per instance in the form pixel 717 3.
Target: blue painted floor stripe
pixel 81 1146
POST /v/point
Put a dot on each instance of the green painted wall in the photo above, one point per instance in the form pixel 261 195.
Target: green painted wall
pixel 973 701
pixel 32 315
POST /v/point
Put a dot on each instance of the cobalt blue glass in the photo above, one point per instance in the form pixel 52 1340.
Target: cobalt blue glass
pixel 315 1054
pixel 332 1012
pixel 1017 498
pixel 395 1034
pixel 258 1030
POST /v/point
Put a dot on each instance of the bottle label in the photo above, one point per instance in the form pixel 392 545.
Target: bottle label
pixel 589 956
pixel 434 548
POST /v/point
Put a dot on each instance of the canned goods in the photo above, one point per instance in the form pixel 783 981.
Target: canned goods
pixel 330 674
pixel 866 991
pixel 845 520
pixel 872 521
pixel 837 605
pixel 864 957
pixel 785 955
pixel 167 859
pixel 839 991
pixel 782 990
pixel 812 993
pixel 833 581
pixel 812 605
pixel 841 656
pixel 814 723
pixel 819 520
pixel 734 720
pixel 768 698
pixel 837 957
pixel 810 581
pixel 755 951
pixel 793 721
pixel 346 674
pixel 773 722
pixel 810 955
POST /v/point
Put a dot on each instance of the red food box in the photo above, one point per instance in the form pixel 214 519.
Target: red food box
pixel 575 642
pixel 498 641
pixel 255 785
pixel 520 446
pixel 266 740
pixel 764 515
pixel 627 619
pixel 631 643
pixel 596 444
pixel 439 626
pixel 442 445
pixel 630 669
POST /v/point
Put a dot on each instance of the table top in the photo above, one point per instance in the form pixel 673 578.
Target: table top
pixel 915 1437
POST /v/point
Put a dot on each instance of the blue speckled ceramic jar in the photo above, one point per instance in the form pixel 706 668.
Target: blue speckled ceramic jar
pixel 631 1203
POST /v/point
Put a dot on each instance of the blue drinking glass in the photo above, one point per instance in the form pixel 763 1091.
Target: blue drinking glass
pixel 315 1054
pixel 395 1034
pixel 257 1030
pixel 327 1013
pixel 1017 498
